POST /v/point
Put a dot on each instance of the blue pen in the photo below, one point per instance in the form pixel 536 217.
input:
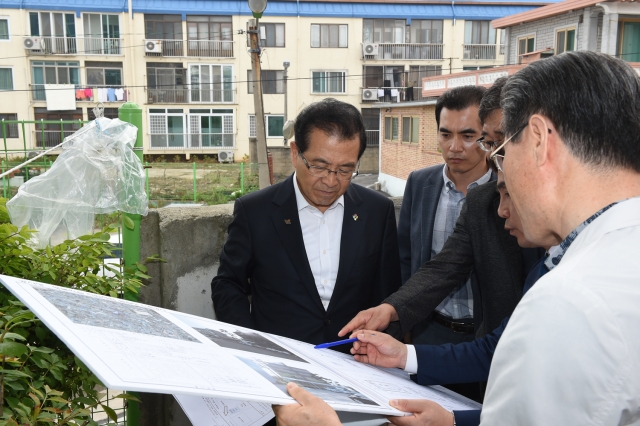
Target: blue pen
pixel 339 342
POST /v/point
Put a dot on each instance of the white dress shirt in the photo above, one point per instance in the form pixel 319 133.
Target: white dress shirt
pixel 571 352
pixel 321 233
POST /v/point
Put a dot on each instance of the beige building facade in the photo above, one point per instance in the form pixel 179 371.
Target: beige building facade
pixel 186 64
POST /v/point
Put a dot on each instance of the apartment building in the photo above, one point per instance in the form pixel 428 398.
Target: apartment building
pixel 186 63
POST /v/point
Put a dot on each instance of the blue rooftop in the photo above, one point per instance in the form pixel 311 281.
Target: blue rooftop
pixel 477 11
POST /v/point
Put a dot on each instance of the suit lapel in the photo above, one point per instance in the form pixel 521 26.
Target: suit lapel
pixel 287 223
pixel 354 224
pixel 431 191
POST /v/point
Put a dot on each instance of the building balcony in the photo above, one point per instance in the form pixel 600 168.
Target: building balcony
pixel 191 48
pixel 85 93
pixel 190 96
pixel 479 51
pixel 406 51
pixel 181 141
pixel 391 94
pixel 78 46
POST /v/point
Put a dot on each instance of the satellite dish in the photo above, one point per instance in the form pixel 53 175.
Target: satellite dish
pixel 288 130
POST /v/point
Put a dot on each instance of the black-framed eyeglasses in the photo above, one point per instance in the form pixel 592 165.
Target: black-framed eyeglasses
pixel 318 171
pixel 498 159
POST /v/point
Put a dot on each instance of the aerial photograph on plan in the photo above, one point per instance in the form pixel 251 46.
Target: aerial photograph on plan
pixel 329 390
pixel 247 341
pixel 106 313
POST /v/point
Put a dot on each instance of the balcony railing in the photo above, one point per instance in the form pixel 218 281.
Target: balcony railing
pixel 479 51
pixel 51 138
pixel 373 137
pixel 391 51
pixel 171 141
pixel 502 49
pixel 79 46
pixel 85 93
pixel 190 96
pixel 395 94
pixel 195 48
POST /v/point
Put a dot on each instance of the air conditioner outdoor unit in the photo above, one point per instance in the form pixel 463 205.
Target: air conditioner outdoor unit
pixel 370 49
pixel 32 43
pixel 369 94
pixel 225 156
pixel 153 46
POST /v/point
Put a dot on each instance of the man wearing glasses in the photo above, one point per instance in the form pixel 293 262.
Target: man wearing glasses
pixel 304 256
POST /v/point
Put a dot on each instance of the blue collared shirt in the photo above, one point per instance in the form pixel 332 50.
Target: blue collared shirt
pixel 458 304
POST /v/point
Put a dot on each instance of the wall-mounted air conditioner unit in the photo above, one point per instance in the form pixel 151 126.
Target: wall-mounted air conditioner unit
pixel 225 156
pixel 369 94
pixel 370 49
pixel 153 46
pixel 32 43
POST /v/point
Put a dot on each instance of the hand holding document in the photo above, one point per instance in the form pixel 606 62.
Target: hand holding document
pixel 136 347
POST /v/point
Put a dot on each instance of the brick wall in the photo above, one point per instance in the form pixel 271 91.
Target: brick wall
pixel 401 158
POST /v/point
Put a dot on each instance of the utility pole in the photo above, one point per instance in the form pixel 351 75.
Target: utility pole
pixel 285 64
pixel 263 166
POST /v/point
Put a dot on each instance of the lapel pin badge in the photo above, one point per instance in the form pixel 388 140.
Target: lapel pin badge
pixel 287 221
pixel 355 217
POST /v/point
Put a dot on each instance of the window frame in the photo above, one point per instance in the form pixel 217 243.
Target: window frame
pixel 275 81
pixel 12 128
pixel 620 43
pixel 85 15
pixel 149 18
pixel 565 30
pixel 252 126
pixel 226 88
pixel 526 37
pixel 50 12
pixel 211 19
pixel 469 26
pixel 320 46
pixel 6 18
pixel 13 85
pixel 104 75
pixel 344 81
pixel 392 120
pixel 284 34
pixel 413 122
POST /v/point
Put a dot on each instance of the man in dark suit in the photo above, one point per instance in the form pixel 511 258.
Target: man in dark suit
pixel 304 256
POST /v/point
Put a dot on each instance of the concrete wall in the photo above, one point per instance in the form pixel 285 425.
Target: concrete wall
pixel 190 241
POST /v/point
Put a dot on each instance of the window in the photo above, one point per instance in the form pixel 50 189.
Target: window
pixel 271 35
pixel 6 79
pixel 384 31
pixel 52 134
pixel 328 81
pixel 565 40
pixel 4 29
pixel 629 41
pixel 479 32
pixel 426 31
pixel 410 129
pixel 273 123
pixel 271 81
pixel 328 35
pixel 163 27
pixel 166 128
pixel 377 76
pixel 211 128
pixel 50 72
pixel 57 29
pixel 391 128
pixel 166 82
pixel 108 113
pixel 526 44
pixel 211 83
pixel 209 28
pixel 104 73
pixel 11 129
pixel 418 72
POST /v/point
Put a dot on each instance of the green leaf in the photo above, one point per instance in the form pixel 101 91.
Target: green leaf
pixel 13 349
pixel 14 336
pixel 109 411
pixel 128 222
pixel 127 396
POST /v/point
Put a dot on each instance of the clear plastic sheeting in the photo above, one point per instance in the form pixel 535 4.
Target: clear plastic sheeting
pixel 97 172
